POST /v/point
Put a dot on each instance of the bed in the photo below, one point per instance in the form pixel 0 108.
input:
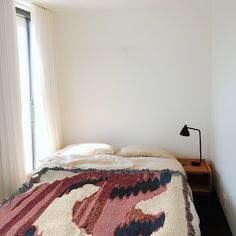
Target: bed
pixel 103 192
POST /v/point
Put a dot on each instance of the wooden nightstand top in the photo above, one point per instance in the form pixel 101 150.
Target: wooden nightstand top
pixel 186 163
pixel 199 177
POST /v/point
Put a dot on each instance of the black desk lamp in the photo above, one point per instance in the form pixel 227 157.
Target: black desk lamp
pixel 185 132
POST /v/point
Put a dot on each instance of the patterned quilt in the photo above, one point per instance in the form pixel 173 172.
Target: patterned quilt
pixel 60 201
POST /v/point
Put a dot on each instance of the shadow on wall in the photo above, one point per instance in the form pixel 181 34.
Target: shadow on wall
pixel 224 197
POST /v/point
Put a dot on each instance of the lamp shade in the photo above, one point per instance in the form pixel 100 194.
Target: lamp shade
pixel 184 131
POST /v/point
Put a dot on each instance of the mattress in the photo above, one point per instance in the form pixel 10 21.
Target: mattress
pixel 102 195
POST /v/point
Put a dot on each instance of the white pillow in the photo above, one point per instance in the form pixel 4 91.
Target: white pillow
pixel 88 149
pixel 143 151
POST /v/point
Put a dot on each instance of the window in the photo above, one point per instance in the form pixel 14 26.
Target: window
pixel 23 36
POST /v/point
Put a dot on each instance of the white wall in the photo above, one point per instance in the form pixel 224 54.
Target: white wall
pixel 224 104
pixel 136 76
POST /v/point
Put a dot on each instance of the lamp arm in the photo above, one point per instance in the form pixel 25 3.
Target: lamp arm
pixel 194 129
pixel 200 142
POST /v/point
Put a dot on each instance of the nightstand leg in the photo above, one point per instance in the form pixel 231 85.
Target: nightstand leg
pixel 209 198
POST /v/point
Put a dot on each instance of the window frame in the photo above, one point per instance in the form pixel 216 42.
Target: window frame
pixel 23 13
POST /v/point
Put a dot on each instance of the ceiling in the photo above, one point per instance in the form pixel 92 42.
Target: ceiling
pixel 68 5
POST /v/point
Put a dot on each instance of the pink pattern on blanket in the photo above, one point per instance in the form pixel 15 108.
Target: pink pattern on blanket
pixel 23 211
pixel 97 212
pixel 110 205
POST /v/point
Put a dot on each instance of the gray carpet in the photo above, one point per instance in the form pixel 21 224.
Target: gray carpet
pixel 212 218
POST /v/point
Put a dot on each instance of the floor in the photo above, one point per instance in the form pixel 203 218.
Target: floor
pixel 212 218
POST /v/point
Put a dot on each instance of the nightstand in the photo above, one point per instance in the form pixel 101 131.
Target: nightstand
pixel 199 177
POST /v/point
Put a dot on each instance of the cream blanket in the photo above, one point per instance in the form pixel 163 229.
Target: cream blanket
pixel 143 199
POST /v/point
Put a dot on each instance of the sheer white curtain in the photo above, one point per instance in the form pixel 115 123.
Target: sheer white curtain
pixel 12 173
pixel 47 117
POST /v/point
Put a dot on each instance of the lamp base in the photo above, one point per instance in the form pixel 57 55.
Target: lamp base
pixel 195 163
